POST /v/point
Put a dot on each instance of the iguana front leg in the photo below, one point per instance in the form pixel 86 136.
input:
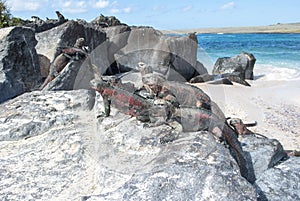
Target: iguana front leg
pixel 173 134
pixel 107 103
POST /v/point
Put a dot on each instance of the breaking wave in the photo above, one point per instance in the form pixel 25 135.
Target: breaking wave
pixel 269 72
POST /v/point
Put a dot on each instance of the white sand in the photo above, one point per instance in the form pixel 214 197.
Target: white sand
pixel 276 28
pixel 275 105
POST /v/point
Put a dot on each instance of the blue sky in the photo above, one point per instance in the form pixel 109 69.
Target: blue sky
pixel 175 14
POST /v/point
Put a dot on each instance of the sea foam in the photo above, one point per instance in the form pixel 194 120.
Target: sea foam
pixel 273 73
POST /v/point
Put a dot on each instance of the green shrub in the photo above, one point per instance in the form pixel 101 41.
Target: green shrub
pixel 6 19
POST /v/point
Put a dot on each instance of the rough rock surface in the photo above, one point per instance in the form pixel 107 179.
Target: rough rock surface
pixel 53 147
pixel 255 145
pixel 175 57
pixel 19 64
pixel 66 35
pixel 44 65
pixel 106 21
pixel 117 39
pixel 42 146
pixel 67 154
pixel 75 75
pixel 241 65
pixel 40 25
pixel 281 182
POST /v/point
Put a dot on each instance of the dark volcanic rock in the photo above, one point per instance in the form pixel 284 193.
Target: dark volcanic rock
pixel 241 65
pixel 44 65
pixel 117 39
pixel 264 153
pixel 19 64
pixel 39 25
pixel 66 35
pixel 106 21
pixel 75 75
pixel 174 57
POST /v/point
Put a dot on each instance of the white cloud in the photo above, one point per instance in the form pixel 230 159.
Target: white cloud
pixel 102 4
pixel 114 10
pixel 21 5
pixel 187 8
pixel 72 6
pixel 127 10
pixel 228 6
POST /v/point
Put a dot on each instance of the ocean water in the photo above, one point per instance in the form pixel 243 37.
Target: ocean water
pixel 277 55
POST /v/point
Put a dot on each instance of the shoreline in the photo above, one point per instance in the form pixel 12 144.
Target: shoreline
pixel 277 28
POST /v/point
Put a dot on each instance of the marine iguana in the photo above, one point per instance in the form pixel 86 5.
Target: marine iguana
pixel 182 119
pixel 78 52
pixel 184 94
pixel 123 97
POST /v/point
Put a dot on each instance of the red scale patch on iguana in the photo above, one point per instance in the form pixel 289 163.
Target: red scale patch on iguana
pixel 123 102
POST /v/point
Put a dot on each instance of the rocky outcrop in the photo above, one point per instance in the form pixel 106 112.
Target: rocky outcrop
pixel 175 57
pixel 106 21
pixel 118 49
pixel 45 129
pixel 75 75
pixel 19 64
pixel 69 154
pixel 44 65
pixel 281 182
pixel 39 25
pixel 241 65
pixel 62 142
pixel 117 39
pixel 254 146
pixel 66 35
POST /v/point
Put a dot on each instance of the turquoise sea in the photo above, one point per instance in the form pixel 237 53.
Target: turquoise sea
pixel 277 55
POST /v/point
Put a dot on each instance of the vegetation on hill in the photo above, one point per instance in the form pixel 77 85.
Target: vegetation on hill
pixel 6 19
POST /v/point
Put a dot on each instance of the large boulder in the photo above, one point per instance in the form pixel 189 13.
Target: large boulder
pixel 281 182
pixel 66 35
pixel 69 154
pixel 106 21
pixel 117 39
pixel 120 48
pixel 264 153
pixel 45 149
pixel 173 56
pixel 241 65
pixel 75 75
pixel 19 62
pixel 39 25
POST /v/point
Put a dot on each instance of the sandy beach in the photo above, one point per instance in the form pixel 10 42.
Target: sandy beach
pixel 274 105
pixel 276 28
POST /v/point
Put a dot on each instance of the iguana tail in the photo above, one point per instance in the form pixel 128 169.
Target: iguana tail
pixel 235 146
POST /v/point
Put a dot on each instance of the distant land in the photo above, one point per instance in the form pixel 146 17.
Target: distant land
pixel 276 28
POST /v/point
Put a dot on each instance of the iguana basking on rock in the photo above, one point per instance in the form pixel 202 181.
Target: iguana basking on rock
pixel 182 119
pixel 123 97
